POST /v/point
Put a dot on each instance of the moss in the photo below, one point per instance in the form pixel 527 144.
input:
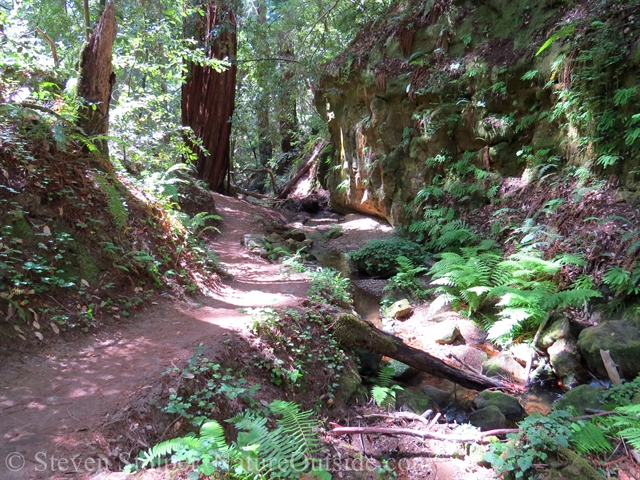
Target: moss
pixel 21 229
pixel 351 331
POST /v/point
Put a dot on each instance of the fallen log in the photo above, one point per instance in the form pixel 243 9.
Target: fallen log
pixel 350 331
pixel 317 149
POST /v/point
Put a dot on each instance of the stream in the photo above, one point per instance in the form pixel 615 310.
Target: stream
pixel 537 398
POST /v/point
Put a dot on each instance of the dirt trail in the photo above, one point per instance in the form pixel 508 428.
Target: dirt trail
pixel 53 402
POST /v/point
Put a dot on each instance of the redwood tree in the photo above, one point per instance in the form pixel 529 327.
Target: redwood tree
pixel 208 96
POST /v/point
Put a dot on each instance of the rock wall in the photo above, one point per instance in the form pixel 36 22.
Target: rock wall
pixel 450 93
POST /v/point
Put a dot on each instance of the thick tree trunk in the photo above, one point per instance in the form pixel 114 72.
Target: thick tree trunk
pixel 208 96
pixel 97 78
pixel 351 331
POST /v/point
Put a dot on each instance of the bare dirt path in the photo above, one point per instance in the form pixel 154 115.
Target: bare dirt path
pixel 53 402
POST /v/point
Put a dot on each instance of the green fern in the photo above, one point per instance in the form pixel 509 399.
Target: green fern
pixel 627 420
pixel 384 394
pixel 114 203
pixel 588 438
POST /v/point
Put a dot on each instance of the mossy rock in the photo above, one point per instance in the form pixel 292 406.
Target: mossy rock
pixel 558 329
pixel 402 371
pixel 488 418
pixel 399 309
pixel 508 405
pixel 621 338
pixel 581 397
pixel 351 389
pixel 414 401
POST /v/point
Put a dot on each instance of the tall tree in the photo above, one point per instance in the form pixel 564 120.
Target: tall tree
pixel 208 95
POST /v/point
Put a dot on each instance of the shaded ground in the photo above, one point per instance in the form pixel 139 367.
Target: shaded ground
pixel 54 402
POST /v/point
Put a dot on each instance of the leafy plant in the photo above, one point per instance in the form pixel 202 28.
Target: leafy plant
pixel 379 257
pixel 285 451
pixel 406 278
pixel 384 393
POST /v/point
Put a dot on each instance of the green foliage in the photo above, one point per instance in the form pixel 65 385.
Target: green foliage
pixel 539 437
pixel 406 278
pixel 210 382
pixel 384 393
pixel 285 451
pixel 114 201
pixel 329 286
pixel 379 257
pixel 623 282
pixel 522 286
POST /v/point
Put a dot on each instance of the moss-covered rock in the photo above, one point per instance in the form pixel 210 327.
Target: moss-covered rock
pixel 399 309
pixel 414 401
pixel 488 418
pixel 621 338
pixel 508 405
pixel 581 397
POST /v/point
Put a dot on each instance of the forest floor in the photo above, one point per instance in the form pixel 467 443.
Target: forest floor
pixel 63 408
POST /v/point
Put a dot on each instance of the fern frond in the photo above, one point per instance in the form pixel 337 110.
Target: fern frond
pixel 385 376
pixel 588 438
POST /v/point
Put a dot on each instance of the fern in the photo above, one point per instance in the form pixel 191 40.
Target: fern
pixel 114 203
pixel 587 438
pixel 384 394
pixel 627 420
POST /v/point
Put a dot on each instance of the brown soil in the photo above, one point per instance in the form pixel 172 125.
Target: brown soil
pixel 56 404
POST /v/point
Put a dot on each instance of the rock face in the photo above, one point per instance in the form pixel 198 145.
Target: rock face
pixel 621 338
pixel 443 84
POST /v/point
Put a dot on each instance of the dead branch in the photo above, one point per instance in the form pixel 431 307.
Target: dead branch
pixel 320 146
pixel 476 438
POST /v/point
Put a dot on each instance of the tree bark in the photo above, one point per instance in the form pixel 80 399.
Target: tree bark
pixel 208 96
pixel 353 332
pixel 97 79
pixel 319 147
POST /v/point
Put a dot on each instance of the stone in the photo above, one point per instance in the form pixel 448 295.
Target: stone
pixel 565 360
pixel 504 364
pixel 445 333
pixel 438 396
pixel 253 242
pixel 399 309
pixel 488 418
pixel 296 235
pixel 558 329
pixel 581 397
pixel 368 362
pixel 621 338
pixel 403 371
pixel 413 401
pixel 351 388
pixel 520 352
pixel 508 405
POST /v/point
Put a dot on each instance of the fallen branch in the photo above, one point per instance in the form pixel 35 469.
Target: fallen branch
pixel 319 147
pixel 477 438
pixel 403 415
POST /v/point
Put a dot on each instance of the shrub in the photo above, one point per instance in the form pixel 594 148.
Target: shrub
pixel 378 258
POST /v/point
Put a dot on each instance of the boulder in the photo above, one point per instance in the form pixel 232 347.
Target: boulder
pixel 400 309
pixel 438 396
pixel 403 372
pixel 253 242
pixel 296 235
pixel 488 418
pixel 558 329
pixel 445 333
pixel 621 338
pixel 414 401
pixel 504 364
pixel 565 360
pixel 368 362
pixel 508 405
pixel 581 397
pixel 351 389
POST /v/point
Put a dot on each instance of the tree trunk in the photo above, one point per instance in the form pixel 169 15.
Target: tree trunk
pixel 208 96
pixel 351 332
pixel 97 79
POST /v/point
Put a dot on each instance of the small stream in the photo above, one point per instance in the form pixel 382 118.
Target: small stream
pixel 537 399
